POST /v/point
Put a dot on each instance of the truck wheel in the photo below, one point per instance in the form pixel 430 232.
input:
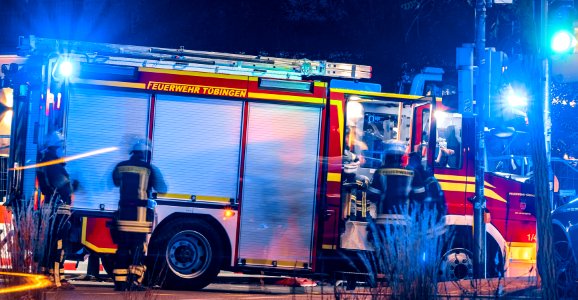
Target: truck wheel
pixel 186 256
pixel 457 264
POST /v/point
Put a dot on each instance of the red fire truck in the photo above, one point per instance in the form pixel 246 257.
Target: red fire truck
pixel 247 146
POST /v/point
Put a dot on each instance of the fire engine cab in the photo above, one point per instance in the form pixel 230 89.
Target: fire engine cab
pixel 250 149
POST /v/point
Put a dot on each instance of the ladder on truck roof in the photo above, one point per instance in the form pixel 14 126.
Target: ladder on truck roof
pixel 191 60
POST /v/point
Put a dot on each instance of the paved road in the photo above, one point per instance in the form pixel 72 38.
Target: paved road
pixel 213 291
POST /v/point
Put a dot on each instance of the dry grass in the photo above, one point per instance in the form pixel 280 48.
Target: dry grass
pixel 405 262
pixel 22 250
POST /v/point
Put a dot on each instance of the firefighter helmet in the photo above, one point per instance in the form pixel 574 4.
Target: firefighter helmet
pixel 394 147
pixel 140 145
pixel 350 166
pixel 54 139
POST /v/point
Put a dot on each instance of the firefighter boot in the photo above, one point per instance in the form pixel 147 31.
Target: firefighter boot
pixel 120 277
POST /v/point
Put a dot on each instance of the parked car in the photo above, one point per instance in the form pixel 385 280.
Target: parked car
pixel 565 230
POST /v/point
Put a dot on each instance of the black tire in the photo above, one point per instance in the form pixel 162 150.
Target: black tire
pixel 566 269
pixel 186 255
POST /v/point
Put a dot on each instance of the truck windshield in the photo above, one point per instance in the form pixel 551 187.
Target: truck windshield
pixel 508 152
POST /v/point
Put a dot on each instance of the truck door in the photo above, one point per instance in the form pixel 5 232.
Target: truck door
pixel 279 186
pixel 196 147
pixel 101 120
pixel 451 159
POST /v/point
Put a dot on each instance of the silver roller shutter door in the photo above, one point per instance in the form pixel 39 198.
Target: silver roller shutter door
pixel 100 119
pixel 196 145
pixel 279 184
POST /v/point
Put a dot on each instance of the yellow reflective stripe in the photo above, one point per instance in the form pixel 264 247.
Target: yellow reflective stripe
pixel 120 271
pixel 469 188
pixel 59 244
pixel 278 263
pixel 119 278
pixel 57 274
pixel 376 94
pixel 287 98
pixel 469 179
pixel 328 247
pixel 174 196
pixel 141 214
pixel 134 223
pixel 197 197
pixel 109 83
pixel 400 172
pixel 136 270
pixel 338 105
pixel 334 177
pixel 213 198
pixel 134 229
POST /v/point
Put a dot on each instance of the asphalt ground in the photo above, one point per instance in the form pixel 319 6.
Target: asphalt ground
pixel 228 282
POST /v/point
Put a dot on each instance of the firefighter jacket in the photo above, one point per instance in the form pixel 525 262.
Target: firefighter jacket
pixel 418 191
pixel 390 188
pixel 54 178
pixel 136 178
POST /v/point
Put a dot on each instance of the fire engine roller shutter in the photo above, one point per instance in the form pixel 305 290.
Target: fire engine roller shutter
pixel 196 145
pixel 100 119
pixel 279 185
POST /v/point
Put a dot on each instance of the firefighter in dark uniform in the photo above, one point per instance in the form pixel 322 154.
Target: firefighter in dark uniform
pixel 418 191
pixel 135 177
pixel 356 188
pixel 425 189
pixel 391 183
pixel 55 185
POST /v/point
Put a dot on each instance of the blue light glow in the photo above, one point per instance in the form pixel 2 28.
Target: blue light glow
pixel 65 69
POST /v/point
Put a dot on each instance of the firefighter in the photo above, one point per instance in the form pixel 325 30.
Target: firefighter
pixel 391 183
pixel 356 207
pixel 135 177
pixel 356 188
pixel 418 191
pixel 425 189
pixel 55 185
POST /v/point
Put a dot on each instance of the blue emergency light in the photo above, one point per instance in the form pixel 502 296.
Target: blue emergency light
pixel 65 68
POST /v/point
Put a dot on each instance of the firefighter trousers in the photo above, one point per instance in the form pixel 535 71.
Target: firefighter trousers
pixel 356 207
pixel 55 230
pixel 129 267
pixel 133 223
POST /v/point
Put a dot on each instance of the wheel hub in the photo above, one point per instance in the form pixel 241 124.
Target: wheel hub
pixel 458 265
pixel 188 254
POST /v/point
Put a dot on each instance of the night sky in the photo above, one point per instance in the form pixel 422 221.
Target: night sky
pixel 382 33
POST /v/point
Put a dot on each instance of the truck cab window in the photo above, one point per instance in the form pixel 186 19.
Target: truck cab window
pixel 369 124
pixel 448 151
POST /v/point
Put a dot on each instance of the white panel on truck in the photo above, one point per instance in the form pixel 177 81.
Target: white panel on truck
pixel 280 176
pixel 99 119
pixel 196 145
